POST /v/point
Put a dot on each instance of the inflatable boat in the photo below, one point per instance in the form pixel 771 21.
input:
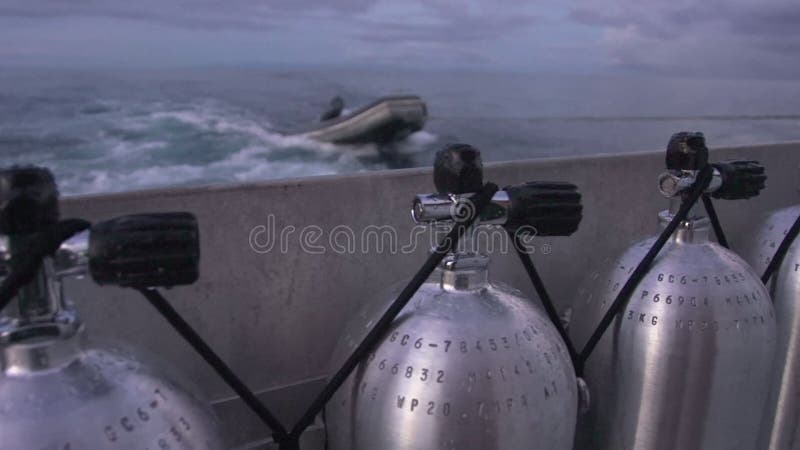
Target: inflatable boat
pixel 387 119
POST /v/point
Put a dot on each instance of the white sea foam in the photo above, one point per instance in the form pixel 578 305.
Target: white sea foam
pixel 422 138
pixel 127 149
pixel 97 180
pixel 146 148
pixel 283 170
pixel 207 118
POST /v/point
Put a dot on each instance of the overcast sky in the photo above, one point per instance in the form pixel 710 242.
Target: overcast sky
pixel 715 38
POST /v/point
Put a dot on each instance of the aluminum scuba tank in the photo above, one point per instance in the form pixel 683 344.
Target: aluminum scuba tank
pixel 781 425
pixel 58 391
pixel 686 363
pixel 468 363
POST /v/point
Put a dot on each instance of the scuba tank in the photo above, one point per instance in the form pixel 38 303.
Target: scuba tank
pixel 57 391
pixel 781 425
pixel 686 363
pixel 467 363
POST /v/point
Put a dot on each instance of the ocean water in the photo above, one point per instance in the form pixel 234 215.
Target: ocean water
pixel 104 131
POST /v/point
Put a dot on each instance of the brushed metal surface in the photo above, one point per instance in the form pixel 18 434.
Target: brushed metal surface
pixel 687 363
pixel 466 365
pixel 79 396
pixel 781 424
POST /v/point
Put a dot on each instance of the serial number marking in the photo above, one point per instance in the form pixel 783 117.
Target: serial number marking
pixel 486 410
pixel 140 417
pixel 408 371
pixel 489 344
pixel 696 324
pixel 502 374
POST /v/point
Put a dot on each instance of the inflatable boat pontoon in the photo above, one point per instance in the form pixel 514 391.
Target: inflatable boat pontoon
pixel 385 120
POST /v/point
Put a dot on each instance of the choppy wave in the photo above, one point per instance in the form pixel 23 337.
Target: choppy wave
pixel 158 144
pixel 115 131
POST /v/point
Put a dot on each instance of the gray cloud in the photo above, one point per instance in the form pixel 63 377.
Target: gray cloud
pixel 736 38
pixel 456 29
pixel 715 38
pixel 448 26
pixel 193 14
pixel 453 30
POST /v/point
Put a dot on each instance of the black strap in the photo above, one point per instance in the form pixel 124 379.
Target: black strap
pixel 547 302
pixel 697 189
pixel 448 243
pixel 780 253
pixel 714 219
pixel 204 350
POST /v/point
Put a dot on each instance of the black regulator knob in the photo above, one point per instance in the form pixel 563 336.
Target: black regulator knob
pixel 145 250
pixel 741 179
pixel 546 208
pixel 28 200
pixel 687 151
pixel 458 169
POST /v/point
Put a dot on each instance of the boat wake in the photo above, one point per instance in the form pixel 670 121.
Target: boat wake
pixel 156 145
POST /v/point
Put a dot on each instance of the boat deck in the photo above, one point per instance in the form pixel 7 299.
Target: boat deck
pixel 275 314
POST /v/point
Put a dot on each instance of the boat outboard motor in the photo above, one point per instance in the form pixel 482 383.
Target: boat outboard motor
pixel 686 362
pixel 334 110
pixel 56 390
pixel 775 253
pixel 467 363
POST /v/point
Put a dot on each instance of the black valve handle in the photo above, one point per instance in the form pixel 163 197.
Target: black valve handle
pixel 458 169
pixel 145 250
pixel 28 200
pixel 741 179
pixel 544 207
pixel 687 150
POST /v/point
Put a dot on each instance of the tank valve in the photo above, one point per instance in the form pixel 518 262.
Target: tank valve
pixel 549 208
pixel 45 358
pixel 687 155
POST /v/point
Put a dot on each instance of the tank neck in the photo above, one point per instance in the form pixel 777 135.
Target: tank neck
pixel 39 300
pixel 39 330
pixel 693 230
pixel 463 272
pixel 39 348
